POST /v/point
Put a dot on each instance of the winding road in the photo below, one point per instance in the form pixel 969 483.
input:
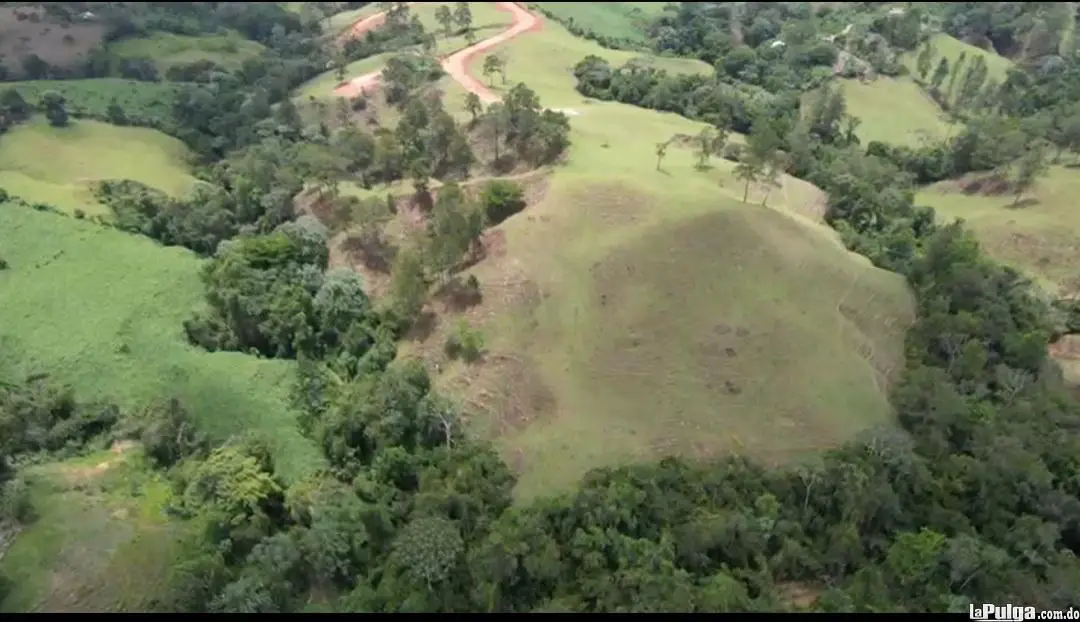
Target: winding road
pixel 456 64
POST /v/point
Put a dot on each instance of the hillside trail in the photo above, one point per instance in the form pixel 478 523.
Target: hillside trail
pixel 457 63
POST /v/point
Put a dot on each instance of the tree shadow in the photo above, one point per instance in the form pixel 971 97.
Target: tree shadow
pixel 459 294
pixel 423 326
pixel 1022 203
pixel 372 251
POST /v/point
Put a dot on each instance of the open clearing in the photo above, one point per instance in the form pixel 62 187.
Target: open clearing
pixel 26 30
pixel 897 111
pixel 168 50
pixel 619 20
pixel 59 166
pixel 103 311
pixel 894 110
pixel 633 312
pixel 148 102
pixel 951 48
pixel 1042 237
pixel 100 542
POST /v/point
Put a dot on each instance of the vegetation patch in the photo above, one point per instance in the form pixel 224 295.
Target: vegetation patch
pixel 100 538
pixel 103 310
pixel 1040 236
pixel 143 103
pixel 61 165
pixel 612 24
pixel 168 50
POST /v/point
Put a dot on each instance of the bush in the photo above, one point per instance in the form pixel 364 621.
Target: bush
pixel 732 152
pixel 4 264
pixel 501 199
pixel 15 503
pixel 465 342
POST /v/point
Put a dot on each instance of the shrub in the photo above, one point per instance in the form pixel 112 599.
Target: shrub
pixel 501 199
pixel 465 342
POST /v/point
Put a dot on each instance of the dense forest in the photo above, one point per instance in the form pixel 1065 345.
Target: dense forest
pixel 973 497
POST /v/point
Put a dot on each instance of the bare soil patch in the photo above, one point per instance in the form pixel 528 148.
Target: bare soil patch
pixel 27 30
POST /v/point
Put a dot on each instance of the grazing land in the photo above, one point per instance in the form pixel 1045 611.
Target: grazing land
pixel 147 103
pixel 617 20
pixel 103 311
pixel 601 292
pixel 894 110
pixel 60 166
pixel 168 50
pixel 1040 237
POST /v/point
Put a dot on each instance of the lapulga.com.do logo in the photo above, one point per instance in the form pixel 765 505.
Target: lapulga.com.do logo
pixel 1014 613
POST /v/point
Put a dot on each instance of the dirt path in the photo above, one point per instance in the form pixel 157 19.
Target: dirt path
pixel 456 64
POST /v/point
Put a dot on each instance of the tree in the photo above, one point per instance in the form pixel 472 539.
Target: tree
pixel 463 16
pixel 925 60
pixel 115 113
pixel 493 64
pixel 940 73
pixel 445 17
pixel 758 160
pixel 456 224
pixel 1032 165
pixel 954 75
pixel 661 152
pixel 706 146
pixel 55 109
pixel 429 548
pixel 474 106
pixel 470 35
pixel 408 284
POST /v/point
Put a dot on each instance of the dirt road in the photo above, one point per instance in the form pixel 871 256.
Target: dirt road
pixel 456 64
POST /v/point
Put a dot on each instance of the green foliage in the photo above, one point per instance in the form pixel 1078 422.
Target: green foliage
pixel 147 104
pixel 428 548
pixel 501 199
pixel 465 342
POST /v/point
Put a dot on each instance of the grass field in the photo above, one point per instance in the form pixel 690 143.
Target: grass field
pixel 1042 237
pixel 894 110
pixel 634 312
pixel 59 166
pixel 100 542
pixel 149 101
pixel 620 20
pixel 897 111
pixel 103 311
pixel 951 48
pixel 168 50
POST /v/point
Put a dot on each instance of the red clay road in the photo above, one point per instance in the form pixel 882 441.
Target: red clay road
pixel 456 64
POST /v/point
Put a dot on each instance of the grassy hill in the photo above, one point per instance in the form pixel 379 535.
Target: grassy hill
pixel 894 110
pixel 1041 237
pixel 59 166
pixel 951 48
pixel 897 110
pixel 167 49
pixel 102 310
pixel 637 312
